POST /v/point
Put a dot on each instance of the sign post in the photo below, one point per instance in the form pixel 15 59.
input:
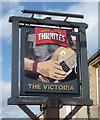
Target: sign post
pixel 53 64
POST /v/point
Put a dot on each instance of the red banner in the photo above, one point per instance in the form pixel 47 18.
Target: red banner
pixel 50 35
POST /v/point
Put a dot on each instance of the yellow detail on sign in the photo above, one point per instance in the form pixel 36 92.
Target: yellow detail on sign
pixel 51 87
pixel 33 86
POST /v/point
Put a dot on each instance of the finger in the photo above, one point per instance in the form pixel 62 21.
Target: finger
pixel 58 78
pixel 57 66
pixel 56 62
pixel 61 73
pixel 57 75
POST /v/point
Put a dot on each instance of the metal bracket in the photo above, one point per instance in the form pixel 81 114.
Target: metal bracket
pixel 72 113
pixel 28 112
pixel 66 18
pixel 32 16
pixel 52 13
pixel 49 18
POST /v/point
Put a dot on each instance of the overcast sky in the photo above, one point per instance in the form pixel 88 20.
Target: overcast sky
pixel 87 8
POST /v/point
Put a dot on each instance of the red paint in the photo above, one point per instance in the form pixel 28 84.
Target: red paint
pixel 50 35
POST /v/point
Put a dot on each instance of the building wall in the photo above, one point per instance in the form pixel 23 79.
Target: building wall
pixel 94 85
pixel 93 92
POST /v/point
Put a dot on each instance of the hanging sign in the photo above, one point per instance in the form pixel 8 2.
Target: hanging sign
pixel 49 61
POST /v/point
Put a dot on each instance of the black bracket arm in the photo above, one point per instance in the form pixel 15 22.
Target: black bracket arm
pixel 53 13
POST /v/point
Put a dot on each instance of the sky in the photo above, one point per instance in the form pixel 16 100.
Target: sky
pixel 87 8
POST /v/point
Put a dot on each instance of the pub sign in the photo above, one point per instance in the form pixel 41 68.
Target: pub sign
pixel 49 61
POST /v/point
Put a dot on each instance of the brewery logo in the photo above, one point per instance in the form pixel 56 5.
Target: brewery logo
pixel 54 36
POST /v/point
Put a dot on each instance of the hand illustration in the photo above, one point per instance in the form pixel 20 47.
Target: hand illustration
pixel 50 68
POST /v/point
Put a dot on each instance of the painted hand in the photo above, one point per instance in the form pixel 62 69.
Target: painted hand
pixel 52 69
